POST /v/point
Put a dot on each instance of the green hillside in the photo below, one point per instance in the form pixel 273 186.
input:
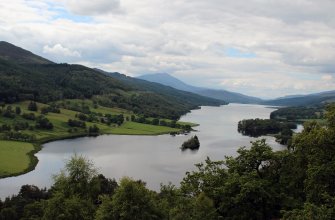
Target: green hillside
pixel 46 82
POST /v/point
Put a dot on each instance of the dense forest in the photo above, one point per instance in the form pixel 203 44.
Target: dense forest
pixel 299 113
pixel 297 183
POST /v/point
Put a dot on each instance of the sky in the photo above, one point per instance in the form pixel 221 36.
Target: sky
pixel 263 48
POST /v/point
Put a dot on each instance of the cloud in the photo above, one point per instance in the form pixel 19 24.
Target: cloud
pixel 58 52
pixel 93 7
pixel 251 47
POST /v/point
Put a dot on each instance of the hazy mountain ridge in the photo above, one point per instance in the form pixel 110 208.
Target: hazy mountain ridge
pixel 166 79
pixel 303 100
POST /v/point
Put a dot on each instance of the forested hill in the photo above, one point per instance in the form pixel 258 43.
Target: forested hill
pixel 304 100
pixel 25 76
pixel 11 52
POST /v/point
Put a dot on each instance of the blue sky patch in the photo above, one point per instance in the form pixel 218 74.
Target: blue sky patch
pixel 236 53
pixel 62 13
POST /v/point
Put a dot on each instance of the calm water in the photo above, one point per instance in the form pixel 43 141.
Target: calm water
pixel 154 159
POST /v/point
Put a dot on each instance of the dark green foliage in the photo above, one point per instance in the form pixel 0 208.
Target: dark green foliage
pixel 192 143
pixel 43 123
pixel 51 108
pixel 93 130
pixel 155 121
pixel 298 113
pixel 29 116
pixel 76 123
pixel 18 125
pixel 17 110
pixel 22 204
pixel 18 136
pixel 32 106
pixel 116 119
pixel 258 127
pixel 8 112
pixel 82 117
pixel 5 127
pixel 130 201
pixel 8 214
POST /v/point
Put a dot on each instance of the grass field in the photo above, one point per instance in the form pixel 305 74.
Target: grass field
pixel 13 157
pixel 133 128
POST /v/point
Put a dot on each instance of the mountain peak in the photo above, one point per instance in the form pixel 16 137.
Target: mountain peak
pixel 16 54
pixel 168 80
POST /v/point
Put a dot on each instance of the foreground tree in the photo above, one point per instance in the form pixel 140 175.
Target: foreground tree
pixel 72 190
pixel 131 201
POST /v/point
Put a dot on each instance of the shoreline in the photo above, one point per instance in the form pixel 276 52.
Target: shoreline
pixel 38 145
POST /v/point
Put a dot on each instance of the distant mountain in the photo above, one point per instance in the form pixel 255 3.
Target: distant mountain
pixel 233 97
pixel 303 100
pixel 162 89
pixel 18 55
pixel 168 80
pixel 26 76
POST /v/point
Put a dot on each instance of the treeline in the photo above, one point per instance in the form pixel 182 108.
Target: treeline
pixel 298 113
pixel 297 183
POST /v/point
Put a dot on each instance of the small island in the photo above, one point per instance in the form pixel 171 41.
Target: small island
pixel 281 130
pixel 192 143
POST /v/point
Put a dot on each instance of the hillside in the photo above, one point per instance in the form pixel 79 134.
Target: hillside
pixel 178 95
pixel 303 100
pixel 11 52
pixel 25 76
pixel 225 95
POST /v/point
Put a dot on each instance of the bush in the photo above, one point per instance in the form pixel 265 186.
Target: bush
pixel 29 116
pixel 93 130
pixel 32 106
pixel 76 123
pixel 43 123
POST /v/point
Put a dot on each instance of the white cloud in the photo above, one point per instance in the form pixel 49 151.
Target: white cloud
pixel 293 41
pixel 59 52
pixel 93 7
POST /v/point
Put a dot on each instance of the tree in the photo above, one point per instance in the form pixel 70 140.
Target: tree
pixel 93 130
pixel 76 178
pixel 68 208
pixel 32 106
pixel 43 123
pixel 8 214
pixel 72 191
pixel 130 201
pixel 155 121
pixel 17 110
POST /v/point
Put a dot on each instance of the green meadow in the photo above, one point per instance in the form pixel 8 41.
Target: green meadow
pixel 14 157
